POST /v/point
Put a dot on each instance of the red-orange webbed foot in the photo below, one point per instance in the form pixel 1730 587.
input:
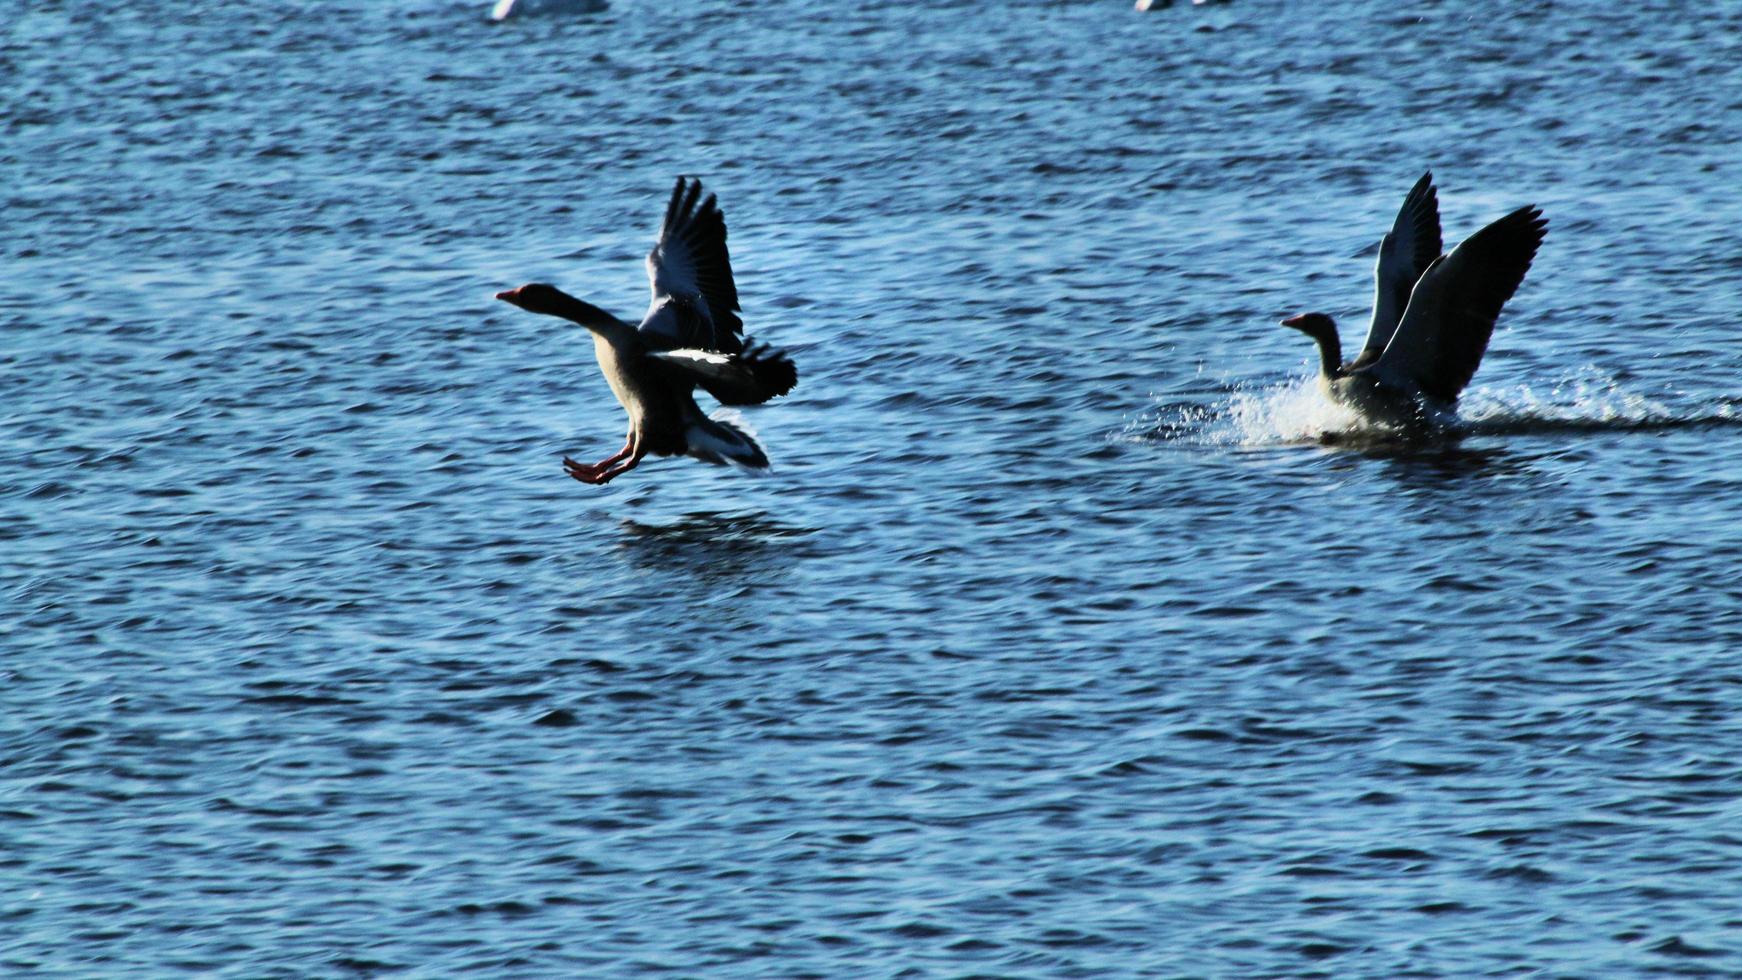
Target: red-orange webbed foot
pixel 606 472
pixel 583 472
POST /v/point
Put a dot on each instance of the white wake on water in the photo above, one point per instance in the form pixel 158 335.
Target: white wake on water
pixel 1588 399
pixel 1297 411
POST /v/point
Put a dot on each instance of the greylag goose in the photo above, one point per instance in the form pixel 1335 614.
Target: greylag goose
pixel 1432 313
pixel 691 337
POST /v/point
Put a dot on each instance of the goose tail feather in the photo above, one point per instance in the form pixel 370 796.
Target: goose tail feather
pixel 724 439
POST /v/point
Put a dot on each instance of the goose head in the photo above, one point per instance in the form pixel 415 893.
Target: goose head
pixel 1324 330
pixel 540 297
pixel 537 297
pixel 1314 325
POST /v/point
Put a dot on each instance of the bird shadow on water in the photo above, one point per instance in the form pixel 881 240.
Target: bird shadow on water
pixel 1432 465
pixel 1437 460
pixel 715 545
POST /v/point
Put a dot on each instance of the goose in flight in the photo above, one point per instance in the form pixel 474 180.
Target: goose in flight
pixel 690 338
pixel 1432 313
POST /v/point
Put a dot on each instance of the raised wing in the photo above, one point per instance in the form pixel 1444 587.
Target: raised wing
pixel 1404 254
pixel 748 378
pixel 1451 313
pixel 695 304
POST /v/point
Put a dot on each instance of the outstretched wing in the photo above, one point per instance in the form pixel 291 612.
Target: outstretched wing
pixel 695 304
pixel 748 378
pixel 1451 313
pixel 1404 254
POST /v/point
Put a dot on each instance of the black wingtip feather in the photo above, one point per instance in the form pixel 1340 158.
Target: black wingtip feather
pixel 688 207
pixel 774 372
pixel 1424 204
pixel 1503 252
pixel 696 221
pixel 766 373
pixel 671 207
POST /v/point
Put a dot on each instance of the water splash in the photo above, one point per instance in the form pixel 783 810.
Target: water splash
pixel 1297 411
pixel 1293 411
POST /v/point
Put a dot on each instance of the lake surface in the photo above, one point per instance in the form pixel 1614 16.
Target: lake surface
pixel 1071 635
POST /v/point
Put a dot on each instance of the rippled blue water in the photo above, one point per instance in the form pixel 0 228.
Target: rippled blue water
pixel 1070 635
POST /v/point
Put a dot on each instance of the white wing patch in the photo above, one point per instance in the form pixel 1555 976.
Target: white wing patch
pixel 705 361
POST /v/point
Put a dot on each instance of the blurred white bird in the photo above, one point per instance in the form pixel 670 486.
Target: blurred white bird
pixel 505 9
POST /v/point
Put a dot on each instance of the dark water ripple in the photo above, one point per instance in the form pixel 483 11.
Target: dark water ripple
pixel 1071 635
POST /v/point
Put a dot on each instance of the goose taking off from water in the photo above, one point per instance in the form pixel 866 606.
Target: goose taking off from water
pixel 1432 313
pixel 691 337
